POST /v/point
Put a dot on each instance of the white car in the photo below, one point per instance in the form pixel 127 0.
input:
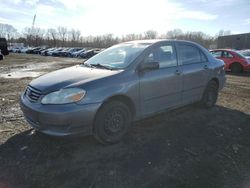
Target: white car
pixel 24 50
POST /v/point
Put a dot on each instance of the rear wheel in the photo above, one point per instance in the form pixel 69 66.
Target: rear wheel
pixel 236 68
pixel 210 95
pixel 112 122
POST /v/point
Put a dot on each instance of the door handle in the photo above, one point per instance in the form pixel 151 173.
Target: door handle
pixel 177 72
pixel 205 67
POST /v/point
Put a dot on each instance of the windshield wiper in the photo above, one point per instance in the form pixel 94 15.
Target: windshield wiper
pixel 87 65
pixel 101 66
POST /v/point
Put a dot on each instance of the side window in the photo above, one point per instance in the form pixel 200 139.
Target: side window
pixel 165 55
pixel 227 54
pixel 188 54
pixel 216 54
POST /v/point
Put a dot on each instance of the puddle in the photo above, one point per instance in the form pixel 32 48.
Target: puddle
pixel 21 74
pixel 26 70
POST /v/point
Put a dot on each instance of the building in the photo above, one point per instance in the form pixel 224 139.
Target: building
pixel 238 42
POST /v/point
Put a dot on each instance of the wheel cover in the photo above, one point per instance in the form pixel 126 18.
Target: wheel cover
pixel 114 121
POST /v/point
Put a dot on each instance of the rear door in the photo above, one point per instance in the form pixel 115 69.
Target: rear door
pixel 161 88
pixel 195 71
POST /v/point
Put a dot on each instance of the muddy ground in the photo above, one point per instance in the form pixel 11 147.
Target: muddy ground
pixel 190 147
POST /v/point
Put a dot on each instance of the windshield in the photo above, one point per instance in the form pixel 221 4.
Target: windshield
pixel 118 56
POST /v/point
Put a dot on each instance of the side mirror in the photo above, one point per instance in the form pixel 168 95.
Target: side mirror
pixel 149 66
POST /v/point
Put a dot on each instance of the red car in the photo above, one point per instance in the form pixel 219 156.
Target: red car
pixel 233 60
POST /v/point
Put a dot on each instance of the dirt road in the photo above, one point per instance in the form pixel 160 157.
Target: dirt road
pixel 189 147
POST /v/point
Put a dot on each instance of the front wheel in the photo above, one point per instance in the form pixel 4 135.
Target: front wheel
pixel 112 122
pixel 210 95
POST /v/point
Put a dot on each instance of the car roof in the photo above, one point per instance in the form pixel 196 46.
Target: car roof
pixel 154 41
pixel 150 41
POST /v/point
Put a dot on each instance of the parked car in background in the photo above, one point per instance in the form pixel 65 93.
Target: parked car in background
pixel 89 53
pixel 234 61
pixel 77 53
pixel 30 50
pixel 24 50
pixel 49 53
pixel 4 46
pixel 33 50
pixel 245 53
pixel 44 52
pixel 38 50
pixel 1 55
pixel 60 52
pixel 17 49
pixel 123 83
pixel 56 52
pixel 71 51
pixel 66 52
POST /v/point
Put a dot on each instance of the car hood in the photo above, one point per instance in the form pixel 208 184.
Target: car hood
pixel 76 75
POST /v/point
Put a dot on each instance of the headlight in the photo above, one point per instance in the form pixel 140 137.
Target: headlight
pixel 64 96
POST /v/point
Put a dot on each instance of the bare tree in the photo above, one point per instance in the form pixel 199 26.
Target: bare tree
pixel 174 34
pixel 62 36
pixel 62 31
pixel 27 33
pixel 53 34
pixel 150 34
pixel 224 32
pixel 34 36
pixel 7 31
pixel 74 37
pixel 132 36
pixel 39 36
pixel 108 40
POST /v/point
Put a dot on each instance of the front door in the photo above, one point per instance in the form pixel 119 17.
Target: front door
pixel 161 88
pixel 227 58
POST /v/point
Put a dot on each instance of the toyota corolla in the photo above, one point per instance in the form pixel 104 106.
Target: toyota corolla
pixel 123 83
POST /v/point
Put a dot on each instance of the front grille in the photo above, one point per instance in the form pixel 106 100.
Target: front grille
pixel 32 94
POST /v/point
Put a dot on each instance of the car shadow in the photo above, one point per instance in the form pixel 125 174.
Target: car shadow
pixel 243 74
pixel 187 147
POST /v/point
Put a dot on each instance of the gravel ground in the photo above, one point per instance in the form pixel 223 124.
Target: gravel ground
pixel 190 147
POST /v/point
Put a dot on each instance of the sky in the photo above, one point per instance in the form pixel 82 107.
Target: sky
pixel 121 17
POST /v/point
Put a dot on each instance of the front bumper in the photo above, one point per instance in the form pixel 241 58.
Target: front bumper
pixel 60 120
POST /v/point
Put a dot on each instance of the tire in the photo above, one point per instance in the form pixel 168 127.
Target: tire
pixel 210 95
pixel 236 68
pixel 112 122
